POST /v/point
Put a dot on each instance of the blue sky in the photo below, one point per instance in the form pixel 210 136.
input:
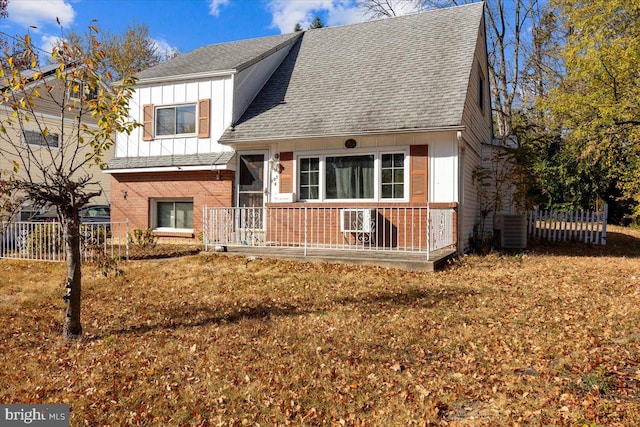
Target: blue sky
pixel 175 24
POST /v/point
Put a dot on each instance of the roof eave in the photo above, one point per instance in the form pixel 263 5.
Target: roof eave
pixel 182 77
pixel 169 169
pixel 454 128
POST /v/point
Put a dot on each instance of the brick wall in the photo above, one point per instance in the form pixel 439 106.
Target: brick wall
pixel 131 194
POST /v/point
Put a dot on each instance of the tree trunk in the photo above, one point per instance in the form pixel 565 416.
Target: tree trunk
pixel 71 231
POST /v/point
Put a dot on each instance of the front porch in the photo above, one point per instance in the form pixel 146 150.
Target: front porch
pixel 401 236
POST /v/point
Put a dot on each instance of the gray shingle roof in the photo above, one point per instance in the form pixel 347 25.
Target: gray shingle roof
pixel 206 159
pixel 403 73
pixel 219 57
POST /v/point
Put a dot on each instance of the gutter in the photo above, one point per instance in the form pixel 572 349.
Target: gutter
pixel 168 169
pixel 192 76
pixel 344 134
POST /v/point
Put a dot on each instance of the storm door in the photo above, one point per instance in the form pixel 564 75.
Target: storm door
pixel 251 193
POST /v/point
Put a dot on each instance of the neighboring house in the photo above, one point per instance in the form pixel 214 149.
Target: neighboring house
pixel 383 115
pixel 31 149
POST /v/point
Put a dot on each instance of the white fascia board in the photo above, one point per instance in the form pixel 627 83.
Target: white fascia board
pixel 169 169
pixel 183 77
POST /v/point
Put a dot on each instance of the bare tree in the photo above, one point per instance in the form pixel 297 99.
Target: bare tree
pixel 48 156
pixel 126 53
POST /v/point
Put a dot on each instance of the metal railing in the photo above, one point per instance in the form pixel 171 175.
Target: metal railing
pixel 402 229
pixel 43 241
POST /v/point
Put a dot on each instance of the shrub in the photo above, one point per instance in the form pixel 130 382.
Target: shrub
pixel 143 238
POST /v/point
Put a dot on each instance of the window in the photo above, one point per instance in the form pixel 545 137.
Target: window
pixel 355 177
pixel 310 178
pixel 392 176
pixel 177 120
pixel 350 177
pixel 77 89
pixel 481 84
pixel 38 138
pixel 174 214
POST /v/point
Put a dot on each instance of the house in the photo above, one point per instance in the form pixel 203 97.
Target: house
pixel 36 150
pixel 361 135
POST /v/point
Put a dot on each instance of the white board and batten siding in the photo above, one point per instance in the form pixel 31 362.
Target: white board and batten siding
pixel 218 90
pixel 230 96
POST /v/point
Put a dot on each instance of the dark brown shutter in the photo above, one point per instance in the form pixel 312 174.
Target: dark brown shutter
pixel 419 173
pixel 286 172
pixel 147 122
pixel 204 109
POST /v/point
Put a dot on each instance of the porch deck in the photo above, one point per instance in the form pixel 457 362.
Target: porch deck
pixel 404 260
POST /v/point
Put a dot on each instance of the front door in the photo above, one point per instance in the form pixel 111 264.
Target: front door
pixel 251 180
pixel 251 192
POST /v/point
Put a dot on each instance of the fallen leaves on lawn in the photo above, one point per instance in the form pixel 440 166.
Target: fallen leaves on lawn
pixel 545 339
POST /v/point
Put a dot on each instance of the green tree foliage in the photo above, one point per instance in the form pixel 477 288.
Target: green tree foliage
pixel 57 175
pixel 316 23
pixel 598 101
pixel 297 28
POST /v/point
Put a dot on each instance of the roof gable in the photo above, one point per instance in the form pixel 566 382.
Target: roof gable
pixel 403 73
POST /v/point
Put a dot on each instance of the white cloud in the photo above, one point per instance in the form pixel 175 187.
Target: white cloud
pixel 41 12
pixel 215 5
pixel 47 43
pixel 164 48
pixel 287 13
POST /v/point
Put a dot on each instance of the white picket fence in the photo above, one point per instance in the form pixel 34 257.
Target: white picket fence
pixel 569 226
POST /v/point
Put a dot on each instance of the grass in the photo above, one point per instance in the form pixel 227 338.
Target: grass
pixel 550 336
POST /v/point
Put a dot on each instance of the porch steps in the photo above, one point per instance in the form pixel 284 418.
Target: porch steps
pixel 402 260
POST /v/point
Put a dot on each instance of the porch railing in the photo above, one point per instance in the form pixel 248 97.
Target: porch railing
pixel 407 229
pixel 43 241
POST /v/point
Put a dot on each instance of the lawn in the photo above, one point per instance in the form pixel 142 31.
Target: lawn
pixel 546 337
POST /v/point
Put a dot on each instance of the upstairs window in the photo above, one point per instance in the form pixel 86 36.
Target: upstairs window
pixel 37 138
pixel 481 90
pixel 78 90
pixel 176 120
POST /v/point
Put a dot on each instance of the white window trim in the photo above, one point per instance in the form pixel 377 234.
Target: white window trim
pixel 174 135
pixel 78 96
pixel 153 214
pixel 377 173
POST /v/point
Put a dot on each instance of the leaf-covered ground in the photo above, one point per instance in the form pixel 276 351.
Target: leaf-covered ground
pixel 546 337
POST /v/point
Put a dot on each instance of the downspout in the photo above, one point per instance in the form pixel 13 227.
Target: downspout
pixel 461 166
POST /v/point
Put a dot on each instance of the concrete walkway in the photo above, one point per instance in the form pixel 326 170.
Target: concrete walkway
pixel 403 260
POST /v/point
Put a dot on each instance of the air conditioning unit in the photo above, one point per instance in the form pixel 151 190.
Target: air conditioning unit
pixel 511 231
pixel 357 220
